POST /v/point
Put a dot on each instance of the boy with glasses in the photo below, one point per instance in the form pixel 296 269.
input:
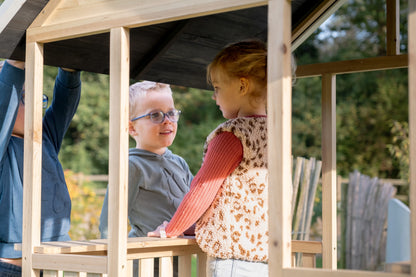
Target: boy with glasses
pixel 56 203
pixel 158 179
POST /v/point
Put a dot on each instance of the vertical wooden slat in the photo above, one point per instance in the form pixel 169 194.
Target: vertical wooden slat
pixel 308 260
pixel 329 173
pixel 295 185
pixel 53 273
pixel 185 266
pixel 279 101
pixel 130 269
pixel 393 27
pixel 32 155
pixel 412 129
pixel 202 264
pixel 118 154
pixel 166 266
pixel 146 267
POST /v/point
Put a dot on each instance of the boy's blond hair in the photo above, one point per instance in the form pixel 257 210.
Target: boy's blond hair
pixel 140 90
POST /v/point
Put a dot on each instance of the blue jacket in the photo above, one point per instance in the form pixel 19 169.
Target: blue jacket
pixel 56 203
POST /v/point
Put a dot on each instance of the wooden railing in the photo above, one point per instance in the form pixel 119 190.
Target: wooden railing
pixel 89 258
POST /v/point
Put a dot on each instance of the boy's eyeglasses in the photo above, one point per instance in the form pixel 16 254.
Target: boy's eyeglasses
pixel 159 116
pixel 45 100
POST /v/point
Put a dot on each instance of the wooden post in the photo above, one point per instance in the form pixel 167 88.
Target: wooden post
pixel 329 173
pixel 412 130
pixel 279 101
pixel 32 156
pixel 393 27
pixel 118 154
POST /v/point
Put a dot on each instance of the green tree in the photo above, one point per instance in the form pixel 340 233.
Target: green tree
pixel 366 102
pixel 85 147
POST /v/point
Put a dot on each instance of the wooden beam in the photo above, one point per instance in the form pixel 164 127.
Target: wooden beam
pixel 46 13
pixel 118 154
pixel 393 27
pixel 7 10
pixel 313 272
pixel 352 66
pixel 71 262
pixel 310 247
pixel 329 173
pixel 314 20
pixel 412 129
pixel 32 165
pixel 80 18
pixel 279 116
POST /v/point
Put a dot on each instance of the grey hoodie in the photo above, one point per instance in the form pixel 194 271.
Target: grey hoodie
pixel 157 184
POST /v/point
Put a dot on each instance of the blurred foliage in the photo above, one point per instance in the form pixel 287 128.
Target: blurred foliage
pixel 366 102
pixel 399 149
pixel 86 209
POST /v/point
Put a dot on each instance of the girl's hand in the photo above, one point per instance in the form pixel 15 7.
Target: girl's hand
pixel 160 231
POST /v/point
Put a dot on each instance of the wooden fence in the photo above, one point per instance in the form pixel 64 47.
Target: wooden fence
pixel 363 222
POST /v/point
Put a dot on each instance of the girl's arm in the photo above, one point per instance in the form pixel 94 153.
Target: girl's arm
pixel 223 155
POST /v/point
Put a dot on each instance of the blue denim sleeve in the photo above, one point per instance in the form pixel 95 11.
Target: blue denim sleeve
pixel 103 227
pixel 66 96
pixel 11 84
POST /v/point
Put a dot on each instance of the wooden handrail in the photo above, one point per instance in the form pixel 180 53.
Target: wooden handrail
pixel 91 256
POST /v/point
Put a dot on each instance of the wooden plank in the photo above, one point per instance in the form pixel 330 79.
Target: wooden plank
pixel 146 267
pixel 8 10
pixel 166 251
pixel 166 267
pixel 312 247
pixel 412 129
pixel 295 183
pixel 308 260
pixel 118 154
pixel 352 66
pixel 313 272
pixel 32 165
pixel 130 268
pixel 329 173
pixel 303 196
pixel 201 264
pixel 79 18
pixel 53 273
pixel 279 101
pixel 316 174
pixel 393 27
pixel 400 267
pixel 99 245
pixel 46 13
pixel 74 263
pixel 185 266
pixel 314 20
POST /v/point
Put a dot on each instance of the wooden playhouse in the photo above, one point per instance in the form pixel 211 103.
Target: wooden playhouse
pixel 171 41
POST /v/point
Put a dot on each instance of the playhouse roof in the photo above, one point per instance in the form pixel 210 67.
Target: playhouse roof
pixel 174 52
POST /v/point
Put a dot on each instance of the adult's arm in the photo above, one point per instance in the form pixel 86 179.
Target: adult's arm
pixel 66 96
pixel 223 155
pixel 11 84
pixel 103 226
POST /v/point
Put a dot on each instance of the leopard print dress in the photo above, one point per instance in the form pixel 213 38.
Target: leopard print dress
pixel 236 224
